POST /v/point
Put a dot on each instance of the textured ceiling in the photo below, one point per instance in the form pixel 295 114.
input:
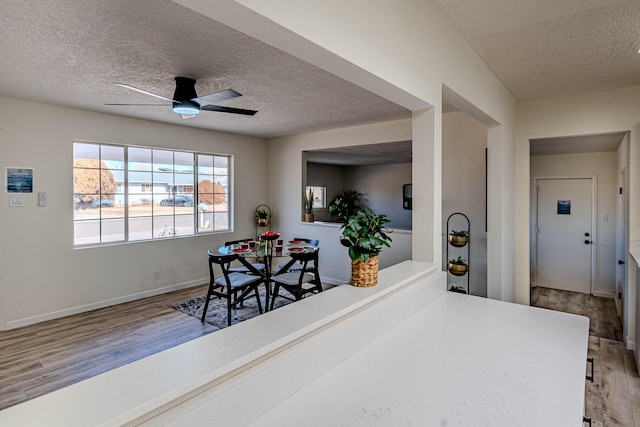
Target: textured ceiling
pixel 70 52
pixel 542 48
pixel 576 144
pixel 370 154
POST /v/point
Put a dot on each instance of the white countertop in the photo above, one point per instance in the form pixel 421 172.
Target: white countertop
pixel 405 352
pixel 460 361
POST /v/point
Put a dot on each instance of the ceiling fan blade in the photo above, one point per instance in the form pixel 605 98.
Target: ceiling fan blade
pixel 143 91
pixel 146 105
pixel 217 96
pixel 228 110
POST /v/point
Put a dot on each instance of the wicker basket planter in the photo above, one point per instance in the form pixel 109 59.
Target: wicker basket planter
pixel 364 273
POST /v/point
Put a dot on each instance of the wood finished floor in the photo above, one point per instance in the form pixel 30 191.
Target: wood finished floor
pixel 41 358
pixel 613 398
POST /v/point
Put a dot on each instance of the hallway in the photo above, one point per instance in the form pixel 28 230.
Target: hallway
pixel 613 398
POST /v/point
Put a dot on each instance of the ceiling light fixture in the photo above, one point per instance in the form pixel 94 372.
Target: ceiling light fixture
pixel 186 107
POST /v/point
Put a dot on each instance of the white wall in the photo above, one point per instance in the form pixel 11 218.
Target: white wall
pixel 586 114
pixel 464 141
pixel 381 188
pixel 604 166
pixel 285 193
pixel 406 51
pixel 42 275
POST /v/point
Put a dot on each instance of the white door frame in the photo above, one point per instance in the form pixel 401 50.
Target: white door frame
pixel 3 226
pixel 622 241
pixel 594 222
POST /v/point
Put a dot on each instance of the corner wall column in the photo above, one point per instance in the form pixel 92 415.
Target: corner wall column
pixel 427 186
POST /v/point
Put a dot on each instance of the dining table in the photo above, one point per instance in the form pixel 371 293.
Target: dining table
pixel 265 249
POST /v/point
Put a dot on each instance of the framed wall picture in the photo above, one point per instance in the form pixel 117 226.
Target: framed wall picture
pixel 19 180
pixel 564 207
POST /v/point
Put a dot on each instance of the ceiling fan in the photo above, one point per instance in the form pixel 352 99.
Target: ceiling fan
pixel 187 102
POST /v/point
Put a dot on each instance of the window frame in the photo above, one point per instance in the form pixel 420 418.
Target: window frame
pixel 126 195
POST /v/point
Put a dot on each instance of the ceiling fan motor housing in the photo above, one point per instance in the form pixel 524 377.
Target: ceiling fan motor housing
pixel 183 97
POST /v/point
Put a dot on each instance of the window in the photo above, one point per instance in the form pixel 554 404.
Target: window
pixel 124 194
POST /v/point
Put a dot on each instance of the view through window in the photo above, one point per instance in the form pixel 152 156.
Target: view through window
pixel 124 194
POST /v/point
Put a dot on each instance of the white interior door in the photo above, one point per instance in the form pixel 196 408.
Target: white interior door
pixel 564 234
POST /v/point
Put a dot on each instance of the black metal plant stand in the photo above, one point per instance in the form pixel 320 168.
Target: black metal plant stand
pixel 461 246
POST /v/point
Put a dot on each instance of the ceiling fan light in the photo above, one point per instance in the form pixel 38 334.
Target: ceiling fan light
pixel 186 107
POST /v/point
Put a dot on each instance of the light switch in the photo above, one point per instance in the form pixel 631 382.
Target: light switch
pixel 16 201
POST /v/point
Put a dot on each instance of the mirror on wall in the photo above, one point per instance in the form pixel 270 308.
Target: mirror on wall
pixel 374 170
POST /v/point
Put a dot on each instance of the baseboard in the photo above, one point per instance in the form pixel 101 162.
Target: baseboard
pixel 604 294
pixel 631 344
pixel 101 304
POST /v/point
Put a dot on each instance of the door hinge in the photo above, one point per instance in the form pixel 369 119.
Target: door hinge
pixel 621 190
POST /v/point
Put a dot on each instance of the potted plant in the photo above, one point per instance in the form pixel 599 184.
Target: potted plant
pixel 458 266
pixel 364 233
pixel 262 217
pixel 344 205
pixel 308 206
pixel 458 238
pixel 458 289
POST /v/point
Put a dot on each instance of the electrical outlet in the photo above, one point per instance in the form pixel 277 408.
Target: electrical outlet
pixel 156 275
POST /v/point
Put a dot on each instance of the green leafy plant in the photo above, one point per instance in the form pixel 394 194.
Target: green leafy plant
pixel 344 205
pixel 364 233
pixel 262 214
pixel 308 201
pixel 461 233
pixel 458 261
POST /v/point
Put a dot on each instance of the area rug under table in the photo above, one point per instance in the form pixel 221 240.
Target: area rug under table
pixel 217 310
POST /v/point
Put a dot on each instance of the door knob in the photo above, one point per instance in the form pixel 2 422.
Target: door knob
pixel 587 242
pixel 620 262
pixel 587 234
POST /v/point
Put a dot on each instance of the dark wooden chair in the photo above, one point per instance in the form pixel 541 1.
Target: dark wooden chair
pixel 298 282
pixel 232 286
pixel 243 269
pixel 298 266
